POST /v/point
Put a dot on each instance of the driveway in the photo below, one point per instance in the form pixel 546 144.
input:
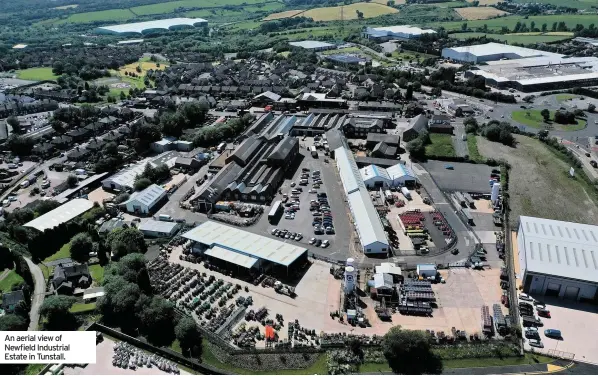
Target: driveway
pixel 39 292
pixel 460 145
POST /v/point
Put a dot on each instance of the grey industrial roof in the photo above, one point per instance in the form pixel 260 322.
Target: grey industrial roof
pixel 367 220
pixel 158 226
pixel 139 27
pixel 232 257
pixel 348 170
pixel 61 214
pixel 149 196
pixel 311 44
pixel 559 248
pixel 240 241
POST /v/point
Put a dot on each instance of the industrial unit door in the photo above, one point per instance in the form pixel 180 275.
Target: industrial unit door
pixel 571 293
pixel 553 289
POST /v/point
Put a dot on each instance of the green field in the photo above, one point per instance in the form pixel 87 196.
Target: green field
pixel 36 74
pixel 511 38
pixel 171 6
pixel 511 21
pixel 64 252
pixel 533 119
pixel 579 4
pixel 565 97
pixel 441 146
pixel 11 279
pixel 472 147
pixel 115 15
pixel 410 55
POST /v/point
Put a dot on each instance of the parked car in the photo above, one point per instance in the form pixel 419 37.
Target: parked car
pixel 312 240
pixel 532 334
pixel 313 191
pixel 318 243
pixel 298 237
pixel 525 297
pixel 536 343
pixel 293 184
pixel 543 312
pixel 325 244
pixel 553 333
pixel 274 230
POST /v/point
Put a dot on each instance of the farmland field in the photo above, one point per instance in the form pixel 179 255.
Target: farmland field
pixel 538 179
pixel 579 4
pixel 385 2
pixel 479 13
pixel 115 15
pixel 369 10
pixel 36 74
pixel 512 38
pixel 169 7
pixel 286 14
pixel 511 21
pixel 487 2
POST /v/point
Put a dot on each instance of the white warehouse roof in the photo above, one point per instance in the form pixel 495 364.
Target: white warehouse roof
pixel 239 241
pixel 371 171
pixel 149 196
pixel 499 48
pixel 558 248
pixel 367 220
pixel 348 170
pixel 400 171
pixel 61 214
pixel 140 27
pixel 312 44
pixel 401 29
pixel 164 227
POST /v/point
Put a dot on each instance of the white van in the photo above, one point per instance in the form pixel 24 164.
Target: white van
pixel 165 218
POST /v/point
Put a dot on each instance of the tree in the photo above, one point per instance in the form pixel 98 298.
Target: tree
pixel 123 241
pixel 158 314
pixel 188 335
pixel 591 107
pixel 471 125
pixel 121 198
pixel 14 123
pixel 72 181
pixel 19 145
pixel 142 183
pixel 410 352
pixel 545 114
pixel 409 93
pixel 12 322
pixel 81 245
pixel 416 148
pixel 464 26
pixel 119 303
pixel 55 310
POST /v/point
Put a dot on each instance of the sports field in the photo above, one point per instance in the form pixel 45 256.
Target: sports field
pixel 510 21
pixel 512 38
pixel 479 13
pixel 285 14
pixel 36 74
pixel 369 10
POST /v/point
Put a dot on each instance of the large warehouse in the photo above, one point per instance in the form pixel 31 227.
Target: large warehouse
pixel 365 217
pixel 394 176
pixel 150 26
pixel 481 53
pixel 62 214
pixel 383 34
pixel 558 258
pixel 244 250
pixel 146 201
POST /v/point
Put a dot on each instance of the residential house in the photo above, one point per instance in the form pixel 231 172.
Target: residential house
pixel 11 299
pixel 417 126
pixel 69 276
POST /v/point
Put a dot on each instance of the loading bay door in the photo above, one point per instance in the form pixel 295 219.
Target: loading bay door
pixel 553 289
pixel 571 293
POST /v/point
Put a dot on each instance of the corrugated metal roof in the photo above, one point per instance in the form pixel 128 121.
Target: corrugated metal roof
pixel 367 220
pixel 383 280
pixel 61 214
pixel 216 234
pixel 149 196
pixel 399 170
pixel 348 170
pixel 559 248
pixel 232 257
pixel 164 227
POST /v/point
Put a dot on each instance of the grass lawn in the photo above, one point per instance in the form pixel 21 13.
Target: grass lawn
pixel 348 50
pixel 97 273
pixel 36 74
pixel 83 307
pixel 472 146
pixel 411 55
pixel 318 368
pixel 64 252
pixel 45 271
pixel 490 362
pixel 565 97
pixel 11 279
pixel 144 66
pixel 114 15
pixel 34 369
pixel 533 119
pixel 441 146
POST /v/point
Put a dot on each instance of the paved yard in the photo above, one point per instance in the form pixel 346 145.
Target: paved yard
pixel 578 325
pixel 466 177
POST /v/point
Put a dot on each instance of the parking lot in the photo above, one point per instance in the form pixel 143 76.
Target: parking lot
pixel 303 219
pixel 464 177
pixel 22 196
pixel 578 326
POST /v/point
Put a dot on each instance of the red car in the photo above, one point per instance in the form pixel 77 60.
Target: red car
pixel 542 312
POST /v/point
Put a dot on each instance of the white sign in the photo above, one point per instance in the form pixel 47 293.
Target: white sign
pixel 571 172
pixel 48 347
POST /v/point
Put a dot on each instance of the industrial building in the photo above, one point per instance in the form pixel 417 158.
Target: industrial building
pixel 365 217
pixel 395 176
pixel 245 251
pixel 158 229
pixel 348 59
pixel 317 123
pixel 62 214
pixel 124 180
pixel 146 201
pixel 150 26
pixel 313 45
pixel 538 73
pixel 383 34
pixel 481 53
pixel 558 258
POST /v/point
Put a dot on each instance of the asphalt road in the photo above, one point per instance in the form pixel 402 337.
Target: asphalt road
pixel 39 292
pixel 460 145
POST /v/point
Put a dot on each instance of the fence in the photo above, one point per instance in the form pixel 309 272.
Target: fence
pixel 560 354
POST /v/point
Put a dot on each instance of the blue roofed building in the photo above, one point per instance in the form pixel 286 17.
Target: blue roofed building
pixel 398 175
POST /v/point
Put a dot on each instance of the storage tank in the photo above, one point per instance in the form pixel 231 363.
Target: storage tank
pixel 349 279
pixel 495 192
pixel 350 261
pixel 406 193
